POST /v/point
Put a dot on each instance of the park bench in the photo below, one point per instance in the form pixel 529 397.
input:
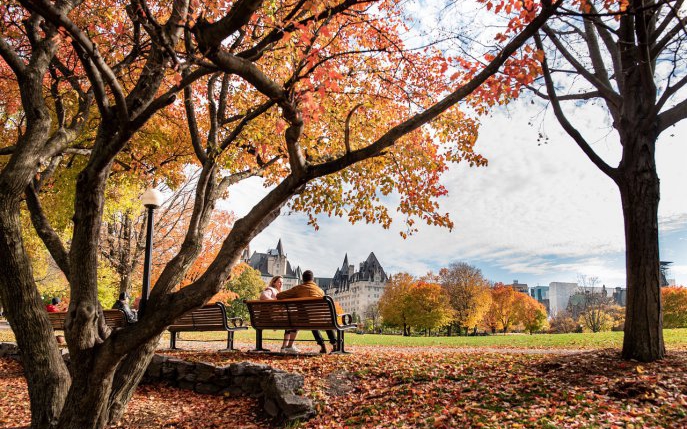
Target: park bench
pixel 298 314
pixel 113 318
pixel 211 317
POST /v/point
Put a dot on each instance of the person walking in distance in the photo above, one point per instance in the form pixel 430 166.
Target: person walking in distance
pixel 309 289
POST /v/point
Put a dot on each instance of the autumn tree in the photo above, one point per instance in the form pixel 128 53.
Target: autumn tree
pixel 468 294
pixel 531 313
pixel 246 285
pixel 428 306
pixel 372 317
pixel 123 234
pixel 394 304
pixel 627 58
pixel 591 305
pixel 503 309
pixel 674 306
pixel 320 99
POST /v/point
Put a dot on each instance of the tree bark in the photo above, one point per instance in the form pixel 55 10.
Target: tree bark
pixel 639 191
pixel 86 406
pixel 127 378
pixel 45 371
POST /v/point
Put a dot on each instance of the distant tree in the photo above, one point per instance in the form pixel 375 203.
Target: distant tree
pixel 531 313
pixel 372 316
pixel 563 323
pixel 674 306
pixel 247 284
pixel 592 307
pixel 394 304
pixel 503 306
pixel 468 293
pixel 428 306
pixel 123 235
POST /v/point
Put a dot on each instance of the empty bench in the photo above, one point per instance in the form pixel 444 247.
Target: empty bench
pixel 113 318
pixel 298 314
pixel 208 318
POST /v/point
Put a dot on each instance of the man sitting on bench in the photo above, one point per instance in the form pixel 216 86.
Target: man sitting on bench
pixel 309 289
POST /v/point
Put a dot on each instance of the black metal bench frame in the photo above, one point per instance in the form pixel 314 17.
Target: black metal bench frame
pixel 195 316
pixel 290 307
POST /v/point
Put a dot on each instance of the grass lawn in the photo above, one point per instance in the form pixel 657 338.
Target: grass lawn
pixel 392 381
pixel 675 339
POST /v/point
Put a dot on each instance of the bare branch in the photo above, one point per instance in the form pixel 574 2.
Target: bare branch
pixel 672 116
pixel 567 126
pixel 608 93
pixel 347 127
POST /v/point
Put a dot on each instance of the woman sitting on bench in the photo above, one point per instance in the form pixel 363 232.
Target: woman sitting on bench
pixel 270 293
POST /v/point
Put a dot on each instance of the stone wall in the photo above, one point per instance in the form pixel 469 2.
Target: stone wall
pixel 279 390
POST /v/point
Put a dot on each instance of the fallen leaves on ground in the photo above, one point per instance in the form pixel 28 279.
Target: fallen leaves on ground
pixel 383 387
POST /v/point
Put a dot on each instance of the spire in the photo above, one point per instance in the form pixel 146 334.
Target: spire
pixel 345 263
pixel 280 248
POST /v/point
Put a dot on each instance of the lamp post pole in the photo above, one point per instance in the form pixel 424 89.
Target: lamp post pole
pixel 152 199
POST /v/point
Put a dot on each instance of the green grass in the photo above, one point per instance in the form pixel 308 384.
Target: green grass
pixel 674 339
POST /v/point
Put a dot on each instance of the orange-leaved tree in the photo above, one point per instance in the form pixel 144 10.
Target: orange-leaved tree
pixel 503 309
pixel 429 306
pixel 321 99
pixel 674 306
pixel 468 294
pixel 531 313
pixel 395 305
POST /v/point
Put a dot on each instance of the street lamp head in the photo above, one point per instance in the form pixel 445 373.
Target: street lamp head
pixel 152 198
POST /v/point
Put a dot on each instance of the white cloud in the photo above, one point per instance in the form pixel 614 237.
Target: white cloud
pixel 536 213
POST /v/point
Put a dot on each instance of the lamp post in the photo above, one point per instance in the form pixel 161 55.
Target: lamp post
pixel 152 199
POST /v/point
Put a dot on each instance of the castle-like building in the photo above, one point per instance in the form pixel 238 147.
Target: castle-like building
pixel 355 290
pixel 274 263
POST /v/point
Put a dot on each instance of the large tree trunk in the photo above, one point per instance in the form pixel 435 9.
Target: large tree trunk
pixel 127 378
pixel 86 406
pixel 46 373
pixel 639 191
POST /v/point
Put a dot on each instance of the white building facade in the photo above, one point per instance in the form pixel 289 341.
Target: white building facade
pixel 356 291
pixel 559 296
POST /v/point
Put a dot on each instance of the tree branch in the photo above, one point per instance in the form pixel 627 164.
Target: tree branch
pixel 607 92
pixel 672 116
pixel 567 126
pixel 45 231
pixel 59 19
pixel 11 58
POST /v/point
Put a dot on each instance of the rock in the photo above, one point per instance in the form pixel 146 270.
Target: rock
pixel 280 387
pixel 205 372
pixel 207 388
pixel 248 368
pixel 186 371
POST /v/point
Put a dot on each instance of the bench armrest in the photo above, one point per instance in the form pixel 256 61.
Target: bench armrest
pixel 346 318
pixel 237 322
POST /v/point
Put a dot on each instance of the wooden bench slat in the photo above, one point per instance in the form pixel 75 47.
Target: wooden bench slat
pixel 114 318
pixel 208 318
pixel 296 314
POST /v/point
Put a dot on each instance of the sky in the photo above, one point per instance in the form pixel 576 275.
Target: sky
pixel 538 213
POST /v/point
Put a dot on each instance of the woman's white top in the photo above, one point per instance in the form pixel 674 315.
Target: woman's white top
pixel 269 293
